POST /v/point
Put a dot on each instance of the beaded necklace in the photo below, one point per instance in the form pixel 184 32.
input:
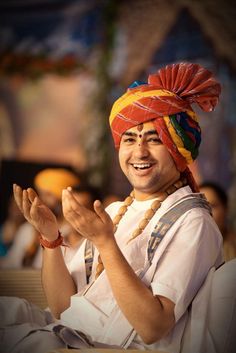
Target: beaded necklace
pixel 147 216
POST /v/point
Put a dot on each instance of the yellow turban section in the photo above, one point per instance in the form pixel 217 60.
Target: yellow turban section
pixel 55 180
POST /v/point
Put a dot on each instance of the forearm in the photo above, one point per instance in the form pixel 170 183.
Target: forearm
pixel 149 315
pixel 57 281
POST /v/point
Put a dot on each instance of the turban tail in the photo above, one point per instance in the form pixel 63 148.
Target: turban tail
pixel 55 180
pixel 166 100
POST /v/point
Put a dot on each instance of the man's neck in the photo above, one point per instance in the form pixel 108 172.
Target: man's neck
pixel 141 195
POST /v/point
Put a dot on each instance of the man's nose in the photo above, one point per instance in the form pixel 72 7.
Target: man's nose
pixel 141 149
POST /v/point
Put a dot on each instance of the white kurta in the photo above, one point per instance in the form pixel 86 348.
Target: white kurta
pixel 181 263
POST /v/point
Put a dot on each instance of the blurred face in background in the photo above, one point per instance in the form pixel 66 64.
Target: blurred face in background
pixel 51 200
pixel 219 210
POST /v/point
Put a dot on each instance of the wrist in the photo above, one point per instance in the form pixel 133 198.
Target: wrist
pixel 53 236
pixel 106 251
pixel 106 246
pixel 51 244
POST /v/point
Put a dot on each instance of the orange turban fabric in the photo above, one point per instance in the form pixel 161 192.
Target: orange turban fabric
pixel 166 100
pixel 55 180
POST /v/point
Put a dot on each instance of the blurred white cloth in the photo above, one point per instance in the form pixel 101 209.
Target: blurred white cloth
pixel 23 238
pixel 211 328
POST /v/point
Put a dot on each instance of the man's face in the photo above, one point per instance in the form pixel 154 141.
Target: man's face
pixel 146 162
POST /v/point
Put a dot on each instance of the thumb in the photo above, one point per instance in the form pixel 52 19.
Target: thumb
pixel 100 211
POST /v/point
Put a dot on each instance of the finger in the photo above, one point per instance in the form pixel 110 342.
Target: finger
pixel 100 211
pixel 72 203
pixel 31 194
pixel 35 208
pixel 70 210
pixel 67 210
pixel 18 194
pixel 26 205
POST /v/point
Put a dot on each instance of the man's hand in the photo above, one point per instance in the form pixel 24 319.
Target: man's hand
pixel 36 213
pixel 96 226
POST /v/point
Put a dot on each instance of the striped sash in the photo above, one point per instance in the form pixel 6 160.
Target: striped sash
pixel 169 218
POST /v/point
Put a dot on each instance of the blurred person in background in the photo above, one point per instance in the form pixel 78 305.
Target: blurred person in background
pixel 218 199
pixel 25 250
pixel 9 227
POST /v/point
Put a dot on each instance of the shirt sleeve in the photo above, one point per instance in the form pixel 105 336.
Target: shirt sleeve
pixel 194 249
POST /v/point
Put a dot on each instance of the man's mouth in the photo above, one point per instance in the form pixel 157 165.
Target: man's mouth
pixel 141 166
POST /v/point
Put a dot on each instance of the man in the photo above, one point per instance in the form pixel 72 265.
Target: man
pixel 154 250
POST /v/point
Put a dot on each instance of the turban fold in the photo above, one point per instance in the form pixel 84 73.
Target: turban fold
pixel 166 100
pixel 55 180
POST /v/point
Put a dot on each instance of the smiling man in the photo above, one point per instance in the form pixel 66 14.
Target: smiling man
pixel 146 162
pixel 152 252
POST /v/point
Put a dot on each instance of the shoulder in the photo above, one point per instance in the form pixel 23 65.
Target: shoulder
pixel 190 215
pixel 186 205
pixel 197 229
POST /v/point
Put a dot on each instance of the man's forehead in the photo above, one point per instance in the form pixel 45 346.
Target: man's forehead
pixel 143 127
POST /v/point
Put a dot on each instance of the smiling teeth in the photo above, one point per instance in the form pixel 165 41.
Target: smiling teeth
pixel 140 166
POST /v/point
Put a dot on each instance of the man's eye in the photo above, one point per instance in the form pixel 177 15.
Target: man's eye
pixel 128 140
pixel 154 140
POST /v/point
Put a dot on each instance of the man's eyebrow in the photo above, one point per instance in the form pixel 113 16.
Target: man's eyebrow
pixel 134 134
pixel 151 132
pixel 129 133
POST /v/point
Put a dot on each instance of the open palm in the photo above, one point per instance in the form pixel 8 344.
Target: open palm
pixel 36 212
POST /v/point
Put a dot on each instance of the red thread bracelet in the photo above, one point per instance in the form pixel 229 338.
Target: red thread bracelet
pixel 51 244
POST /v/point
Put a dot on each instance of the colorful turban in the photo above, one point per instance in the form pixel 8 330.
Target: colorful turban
pixel 166 100
pixel 55 180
